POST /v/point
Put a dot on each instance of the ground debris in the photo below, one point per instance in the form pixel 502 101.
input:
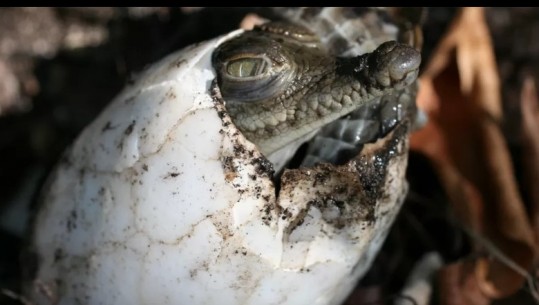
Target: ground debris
pixel 460 91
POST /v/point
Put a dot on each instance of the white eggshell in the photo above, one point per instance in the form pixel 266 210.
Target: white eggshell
pixel 162 201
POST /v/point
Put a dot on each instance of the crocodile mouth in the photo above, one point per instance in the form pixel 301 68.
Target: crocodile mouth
pixel 344 139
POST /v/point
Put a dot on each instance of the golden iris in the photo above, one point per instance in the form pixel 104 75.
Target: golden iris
pixel 246 67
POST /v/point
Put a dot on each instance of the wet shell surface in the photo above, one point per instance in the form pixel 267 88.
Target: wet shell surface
pixel 162 200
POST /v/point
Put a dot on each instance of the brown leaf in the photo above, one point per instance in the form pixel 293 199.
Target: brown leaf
pixel 529 104
pixel 460 92
pixel 458 285
pixel 251 20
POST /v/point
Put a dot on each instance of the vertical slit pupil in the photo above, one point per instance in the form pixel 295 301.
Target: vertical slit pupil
pixel 246 67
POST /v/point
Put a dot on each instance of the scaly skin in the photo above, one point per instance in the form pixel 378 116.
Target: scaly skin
pixel 310 88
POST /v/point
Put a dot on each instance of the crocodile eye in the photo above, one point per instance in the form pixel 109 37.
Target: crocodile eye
pixel 254 67
pixel 247 67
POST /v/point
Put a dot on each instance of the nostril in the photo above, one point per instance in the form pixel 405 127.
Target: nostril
pixel 404 60
pixel 393 64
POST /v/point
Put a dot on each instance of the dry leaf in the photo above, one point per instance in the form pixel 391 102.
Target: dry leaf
pixel 460 92
pixel 529 104
pixel 251 20
pixel 458 285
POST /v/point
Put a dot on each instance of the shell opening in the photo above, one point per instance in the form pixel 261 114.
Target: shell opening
pixel 344 139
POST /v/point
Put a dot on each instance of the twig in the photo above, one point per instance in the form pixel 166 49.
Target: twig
pixel 418 284
pixel 15 296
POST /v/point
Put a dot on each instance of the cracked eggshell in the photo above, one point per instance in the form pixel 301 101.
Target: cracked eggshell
pixel 161 200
